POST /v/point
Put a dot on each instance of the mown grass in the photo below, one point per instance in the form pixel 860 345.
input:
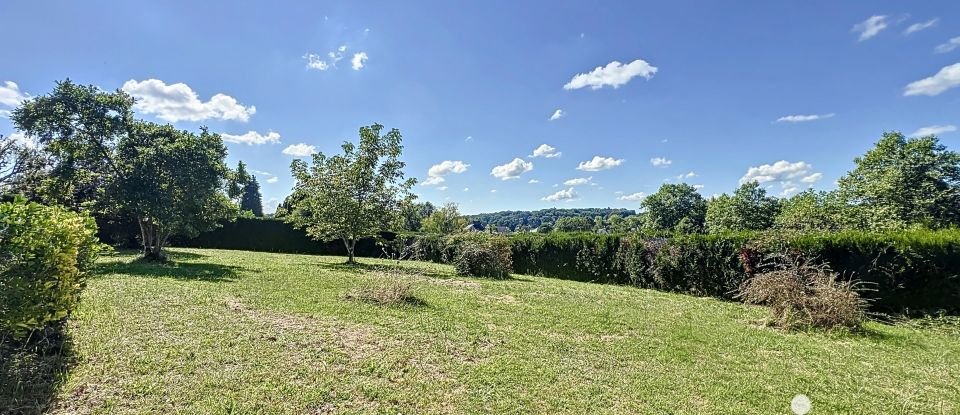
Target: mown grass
pixel 243 332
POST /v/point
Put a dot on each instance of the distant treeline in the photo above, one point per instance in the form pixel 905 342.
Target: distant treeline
pixel 515 219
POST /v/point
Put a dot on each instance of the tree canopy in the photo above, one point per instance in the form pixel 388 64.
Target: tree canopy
pixel 352 195
pixel 749 208
pixel 675 207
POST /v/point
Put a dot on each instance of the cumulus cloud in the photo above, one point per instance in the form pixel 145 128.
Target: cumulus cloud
pixel 614 75
pixel 436 173
pixel 511 170
pixel 804 118
pixel 580 181
pixel 600 163
pixel 562 195
pixel 633 197
pixel 660 162
pixel 784 173
pixel 299 150
pixel 533 181
pixel 545 150
pixel 178 102
pixel 870 27
pixel 557 114
pixel 934 130
pixel 10 94
pixel 916 27
pixel 252 137
pixel 358 60
pixel 314 62
pixel 948 46
pixel 948 77
pixel 688 175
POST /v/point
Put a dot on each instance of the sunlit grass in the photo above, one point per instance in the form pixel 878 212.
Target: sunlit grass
pixel 243 332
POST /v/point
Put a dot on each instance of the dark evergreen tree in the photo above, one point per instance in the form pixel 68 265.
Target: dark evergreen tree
pixel 250 199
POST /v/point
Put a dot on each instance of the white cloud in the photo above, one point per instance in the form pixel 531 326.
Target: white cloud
pixel 687 176
pixel 545 150
pixel 314 62
pixel 10 94
pixel 660 162
pixel 633 197
pixel 934 130
pixel 466 189
pixel 299 150
pixel 533 181
pixel 342 48
pixel 784 173
pixel 358 60
pixel 5 113
pixel 252 137
pixel 948 77
pixel 557 114
pixel 870 27
pixel 437 171
pixel 442 188
pixel 178 102
pixel 493 190
pixel 804 118
pixel 700 186
pixel 600 163
pixel 268 177
pixel 23 140
pixel 578 181
pixel 949 46
pixel 614 74
pixel 916 27
pixel 468 139
pixel 562 195
pixel 512 170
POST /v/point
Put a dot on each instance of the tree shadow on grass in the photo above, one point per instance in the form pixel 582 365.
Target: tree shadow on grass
pixel 176 270
pixel 31 373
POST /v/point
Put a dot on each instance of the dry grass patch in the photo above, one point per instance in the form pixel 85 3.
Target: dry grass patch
pixel 388 287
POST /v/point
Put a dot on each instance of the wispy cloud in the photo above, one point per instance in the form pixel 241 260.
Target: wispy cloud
pixel 948 46
pixel 660 162
pixel 948 77
pixel 804 118
pixel 870 27
pixel 578 181
pixel 633 197
pixel 934 130
pixel 916 27
pixel 557 115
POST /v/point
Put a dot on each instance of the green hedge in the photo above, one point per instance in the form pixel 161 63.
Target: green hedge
pixel 273 235
pixel 46 254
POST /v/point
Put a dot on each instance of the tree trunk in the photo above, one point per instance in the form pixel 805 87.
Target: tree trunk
pixel 153 240
pixel 350 244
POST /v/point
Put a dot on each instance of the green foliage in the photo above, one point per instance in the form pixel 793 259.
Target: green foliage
pixel 413 215
pixel 748 209
pixel 573 224
pixel 20 165
pixel 675 207
pixel 811 210
pixel 45 257
pixel 905 182
pixel 251 200
pixel 274 235
pixel 483 256
pixel 171 181
pixel 445 221
pixel 537 218
pixel 355 194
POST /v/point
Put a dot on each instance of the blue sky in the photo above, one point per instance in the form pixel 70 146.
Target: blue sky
pixel 648 92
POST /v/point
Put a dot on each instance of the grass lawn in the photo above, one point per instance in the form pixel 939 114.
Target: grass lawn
pixel 244 332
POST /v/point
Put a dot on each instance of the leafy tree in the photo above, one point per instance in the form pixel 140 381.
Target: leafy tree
pixel 748 209
pixel 355 194
pixel 903 182
pixel 414 214
pixel 77 127
pixel 19 164
pixel 811 210
pixel 671 204
pixel 573 224
pixel 171 181
pixel 545 228
pixel 445 220
pixel 250 199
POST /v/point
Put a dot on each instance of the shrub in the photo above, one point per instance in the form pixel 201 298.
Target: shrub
pixel 488 256
pixel 801 294
pixel 46 254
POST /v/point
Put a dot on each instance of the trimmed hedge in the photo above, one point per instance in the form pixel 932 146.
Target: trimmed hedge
pixel 913 270
pixel 46 254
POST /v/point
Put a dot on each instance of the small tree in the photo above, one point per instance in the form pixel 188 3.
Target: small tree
pixel 445 220
pixel 573 224
pixel 748 209
pixel 352 195
pixel 237 181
